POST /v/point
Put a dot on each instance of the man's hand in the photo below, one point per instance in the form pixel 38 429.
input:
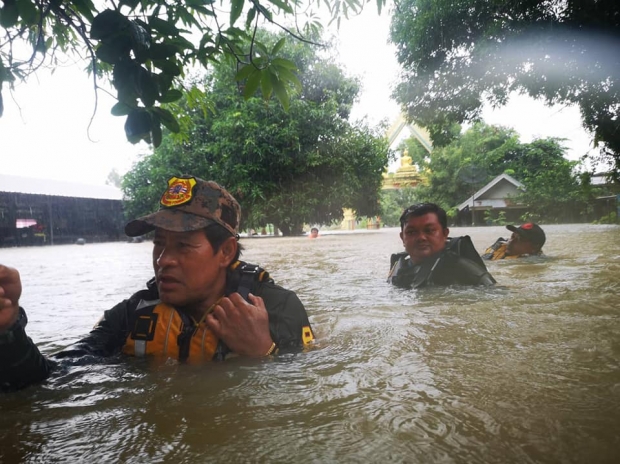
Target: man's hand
pixel 10 291
pixel 244 327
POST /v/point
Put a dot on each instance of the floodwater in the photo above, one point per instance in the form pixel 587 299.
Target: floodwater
pixel 526 372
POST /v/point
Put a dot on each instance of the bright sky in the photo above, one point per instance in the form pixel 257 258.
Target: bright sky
pixel 44 130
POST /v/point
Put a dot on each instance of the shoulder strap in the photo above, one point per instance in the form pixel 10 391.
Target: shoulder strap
pixel 464 247
pixel 396 256
pixel 249 275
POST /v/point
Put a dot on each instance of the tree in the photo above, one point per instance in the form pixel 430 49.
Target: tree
pixel 552 191
pixel 395 201
pixel 468 163
pixel 456 54
pixel 147 47
pixel 285 167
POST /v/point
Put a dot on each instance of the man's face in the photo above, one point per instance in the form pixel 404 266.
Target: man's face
pixel 517 245
pixel 423 236
pixel 187 270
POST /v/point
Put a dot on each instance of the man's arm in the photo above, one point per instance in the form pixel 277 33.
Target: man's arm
pixel 21 363
pixel 274 315
pixel 10 292
pixel 288 320
pixel 489 253
pixel 106 338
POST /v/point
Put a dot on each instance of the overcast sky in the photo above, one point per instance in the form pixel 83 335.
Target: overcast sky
pixel 44 131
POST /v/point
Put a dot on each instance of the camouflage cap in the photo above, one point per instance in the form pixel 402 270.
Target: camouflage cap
pixel 190 203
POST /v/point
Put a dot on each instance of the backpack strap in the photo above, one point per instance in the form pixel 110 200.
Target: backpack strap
pixel 396 256
pixel 249 275
pixel 464 247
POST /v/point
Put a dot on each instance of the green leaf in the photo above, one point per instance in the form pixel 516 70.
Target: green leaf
pixel 138 126
pixel 261 48
pixel 27 11
pixel 140 38
pixel 108 23
pixel 162 51
pixel 278 46
pixel 266 13
pixel 236 8
pixel 85 8
pixel 245 72
pixel 156 135
pixel 165 28
pixel 252 83
pixel 283 63
pixel 147 88
pixel 171 95
pixel 168 67
pixel 266 85
pixel 280 91
pixel 8 15
pixel 288 77
pixel 121 109
pixel 250 17
pixel 283 5
pixel 167 119
pixel 380 4
pixel 114 50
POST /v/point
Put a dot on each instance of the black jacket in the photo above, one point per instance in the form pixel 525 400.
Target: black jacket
pixel 21 363
pixel 457 264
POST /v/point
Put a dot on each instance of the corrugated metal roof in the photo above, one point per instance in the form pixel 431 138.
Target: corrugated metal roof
pixel 18 184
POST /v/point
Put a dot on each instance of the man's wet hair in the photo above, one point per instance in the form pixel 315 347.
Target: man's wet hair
pixel 217 235
pixel 420 209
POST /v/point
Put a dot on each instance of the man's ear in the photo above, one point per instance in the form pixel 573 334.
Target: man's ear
pixel 228 251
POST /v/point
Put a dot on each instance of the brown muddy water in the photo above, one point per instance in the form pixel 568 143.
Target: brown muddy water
pixel 527 372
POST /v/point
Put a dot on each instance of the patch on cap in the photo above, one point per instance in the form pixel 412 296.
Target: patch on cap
pixel 179 191
pixel 527 226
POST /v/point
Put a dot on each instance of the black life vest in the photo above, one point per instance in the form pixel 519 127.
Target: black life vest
pixel 457 263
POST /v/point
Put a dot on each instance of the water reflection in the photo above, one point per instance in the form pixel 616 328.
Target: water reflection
pixel 525 372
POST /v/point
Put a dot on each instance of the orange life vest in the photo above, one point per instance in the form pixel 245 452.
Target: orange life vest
pixel 160 330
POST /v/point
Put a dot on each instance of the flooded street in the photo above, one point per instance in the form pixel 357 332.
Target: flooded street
pixel 526 372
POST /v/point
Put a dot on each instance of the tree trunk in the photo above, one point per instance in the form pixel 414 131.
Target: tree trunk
pixel 289 230
pixel 286 230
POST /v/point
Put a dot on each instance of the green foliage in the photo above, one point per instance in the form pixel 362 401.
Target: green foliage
pixel 394 202
pixel 285 167
pixel 146 48
pixel 468 163
pixel 498 219
pixel 456 54
pixel 551 185
pixel 611 218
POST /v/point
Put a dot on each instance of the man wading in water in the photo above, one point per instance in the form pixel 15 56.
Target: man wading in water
pixel 526 240
pixel 430 257
pixel 203 303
